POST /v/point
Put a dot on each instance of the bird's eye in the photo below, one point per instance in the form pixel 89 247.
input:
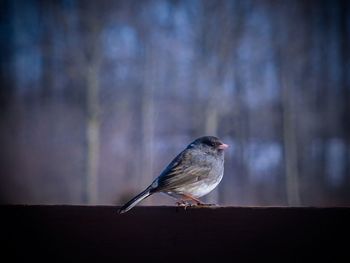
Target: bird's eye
pixel 210 143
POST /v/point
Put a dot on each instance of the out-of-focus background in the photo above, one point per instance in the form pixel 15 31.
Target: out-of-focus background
pixel 98 96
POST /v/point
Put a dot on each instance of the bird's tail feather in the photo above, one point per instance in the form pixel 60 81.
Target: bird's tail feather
pixel 137 199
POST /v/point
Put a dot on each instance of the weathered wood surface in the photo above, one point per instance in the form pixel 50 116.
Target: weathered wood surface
pixel 98 233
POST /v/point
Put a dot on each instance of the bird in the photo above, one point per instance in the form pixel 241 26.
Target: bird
pixel 193 173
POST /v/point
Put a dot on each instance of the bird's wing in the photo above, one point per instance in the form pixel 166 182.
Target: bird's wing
pixel 181 171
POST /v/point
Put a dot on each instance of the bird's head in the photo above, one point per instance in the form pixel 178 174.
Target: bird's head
pixel 210 143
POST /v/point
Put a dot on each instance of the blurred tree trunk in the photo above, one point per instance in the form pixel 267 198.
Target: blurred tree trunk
pixel 195 109
pixel 242 135
pixel 345 109
pixel 93 108
pixel 322 94
pixel 290 144
pixel 47 14
pixel 92 133
pixel 7 51
pixel 211 119
pixel 286 62
pixel 147 118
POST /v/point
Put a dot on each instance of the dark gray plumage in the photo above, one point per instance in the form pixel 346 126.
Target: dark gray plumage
pixel 195 172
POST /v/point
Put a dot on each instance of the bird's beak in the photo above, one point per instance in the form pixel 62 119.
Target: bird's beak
pixel 223 146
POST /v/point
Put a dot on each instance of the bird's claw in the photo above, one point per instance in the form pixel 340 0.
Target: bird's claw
pixel 204 204
pixel 184 204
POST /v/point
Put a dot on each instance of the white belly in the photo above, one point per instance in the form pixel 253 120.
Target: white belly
pixel 198 189
pixel 204 189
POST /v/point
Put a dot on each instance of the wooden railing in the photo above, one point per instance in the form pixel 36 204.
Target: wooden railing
pixel 169 234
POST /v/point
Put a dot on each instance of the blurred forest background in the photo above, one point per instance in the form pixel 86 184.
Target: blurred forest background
pixel 98 96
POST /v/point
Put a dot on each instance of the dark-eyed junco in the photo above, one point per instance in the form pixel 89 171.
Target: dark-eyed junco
pixel 195 172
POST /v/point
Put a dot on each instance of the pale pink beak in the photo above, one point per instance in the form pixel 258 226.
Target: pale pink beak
pixel 223 146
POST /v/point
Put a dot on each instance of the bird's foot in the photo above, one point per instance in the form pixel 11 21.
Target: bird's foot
pixel 184 204
pixel 205 205
pixel 180 203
